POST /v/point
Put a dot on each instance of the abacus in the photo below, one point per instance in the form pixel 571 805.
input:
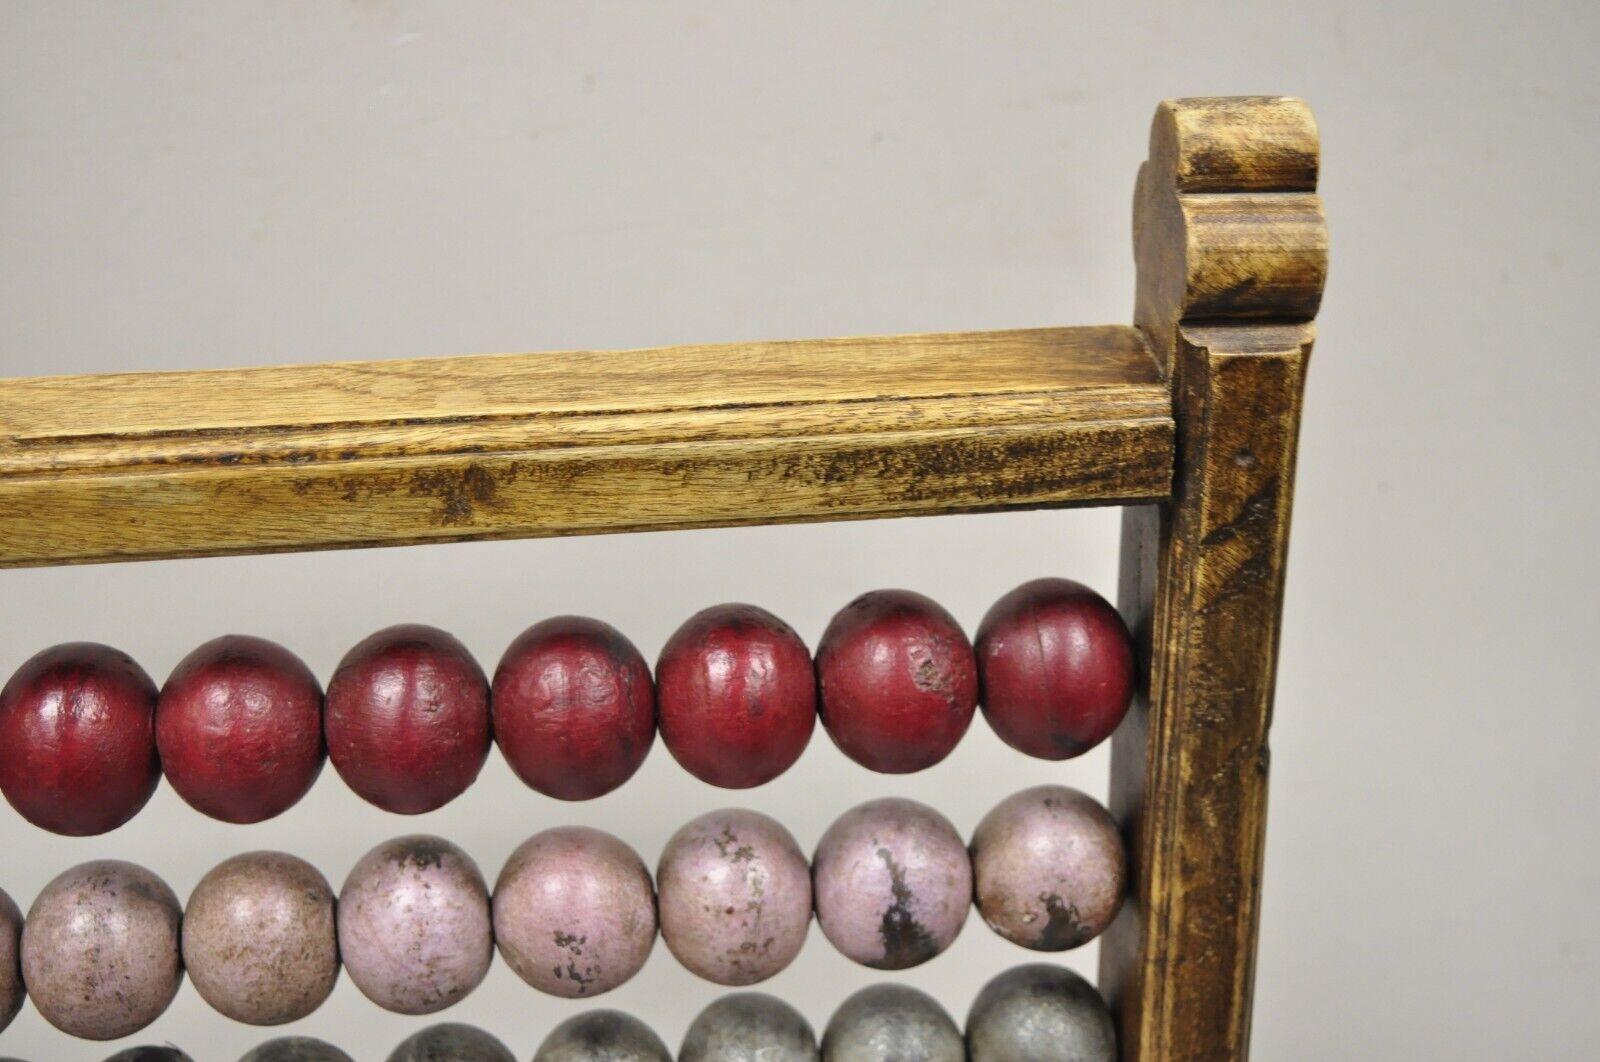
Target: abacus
pixel 1188 419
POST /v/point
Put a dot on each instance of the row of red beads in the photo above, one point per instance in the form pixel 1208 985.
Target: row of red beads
pixel 241 727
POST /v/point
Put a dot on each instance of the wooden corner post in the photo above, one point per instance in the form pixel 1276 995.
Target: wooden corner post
pixel 1232 252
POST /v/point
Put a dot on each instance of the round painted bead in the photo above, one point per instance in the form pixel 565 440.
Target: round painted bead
pixel 239 729
pixel 1056 667
pixel 574 912
pixel 899 684
pixel 738 696
pixel 149 1053
pixel 77 739
pixel 414 929
pixel 100 950
pixel 735 896
pixel 574 707
pixel 451 1042
pixel 889 1022
pixel 1049 867
pixel 407 719
pixel 602 1036
pixel 295 1049
pixel 1040 1013
pixel 749 1026
pixel 893 883
pixel 12 992
pixel 259 940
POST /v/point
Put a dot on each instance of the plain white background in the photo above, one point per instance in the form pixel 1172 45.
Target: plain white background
pixel 194 185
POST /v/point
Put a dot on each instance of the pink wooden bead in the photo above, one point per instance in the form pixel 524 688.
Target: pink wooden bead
pixel 12 992
pixel 259 940
pixel 1050 868
pixel 574 912
pixel 735 896
pixel 893 883
pixel 100 950
pixel 414 925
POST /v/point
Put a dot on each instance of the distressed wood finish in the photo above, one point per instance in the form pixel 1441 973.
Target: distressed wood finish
pixel 1232 254
pixel 1192 417
pixel 144 465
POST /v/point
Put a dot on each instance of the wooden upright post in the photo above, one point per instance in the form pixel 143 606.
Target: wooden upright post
pixel 1232 252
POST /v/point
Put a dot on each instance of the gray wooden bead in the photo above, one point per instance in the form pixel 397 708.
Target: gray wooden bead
pixel 749 1027
pixel 413 922
pixel 12 991
pixel 1040 1013
pixel 100 950
pixel 295 1049
pixel 451 1042
pixel 892 1023
pixel 602 1036
pixel 259 940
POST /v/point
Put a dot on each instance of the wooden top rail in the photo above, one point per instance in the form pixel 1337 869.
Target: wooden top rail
pixel 143 465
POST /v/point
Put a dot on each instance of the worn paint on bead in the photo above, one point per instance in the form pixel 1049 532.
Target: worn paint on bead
pixel 451 1042
pixel 602 1036
pixel 735 896
pixel 12 992
pixel 1049 867
pixel 100 950
pixel 574 912
pixel 1040 1013
pixel 889 1022
pixel 413 922
pixel 259 940
pixel 898 681
pixel 893 883
pixel 747 1026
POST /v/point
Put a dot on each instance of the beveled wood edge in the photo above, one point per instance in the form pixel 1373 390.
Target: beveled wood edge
pixel 556 385
pixel 186 464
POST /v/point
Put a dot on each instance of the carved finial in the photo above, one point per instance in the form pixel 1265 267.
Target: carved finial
pixel 1227 223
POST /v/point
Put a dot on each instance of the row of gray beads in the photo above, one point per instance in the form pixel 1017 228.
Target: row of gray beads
pixel 1033 1013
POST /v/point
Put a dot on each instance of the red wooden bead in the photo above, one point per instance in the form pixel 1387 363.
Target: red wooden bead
pixel 1057 668
pixel 77 739
pixel 737 695
pixel 407 718
pixel 239 728
pixel 899 684
pixel 574 708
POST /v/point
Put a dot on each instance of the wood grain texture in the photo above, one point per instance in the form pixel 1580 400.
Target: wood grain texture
pixel 142 465
pixel 1231 250
pixel 1227 224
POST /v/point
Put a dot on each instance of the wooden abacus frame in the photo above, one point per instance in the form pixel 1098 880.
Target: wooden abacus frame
pixel 1189 417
